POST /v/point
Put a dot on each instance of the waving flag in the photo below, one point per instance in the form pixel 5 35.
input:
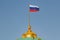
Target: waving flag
pixel 33 8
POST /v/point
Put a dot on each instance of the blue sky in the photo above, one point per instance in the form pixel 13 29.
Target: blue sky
pixel 14 19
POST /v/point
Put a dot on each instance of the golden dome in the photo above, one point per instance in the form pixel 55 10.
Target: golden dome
pixel 29 33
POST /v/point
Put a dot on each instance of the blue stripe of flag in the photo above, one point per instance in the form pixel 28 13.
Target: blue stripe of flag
pixel 34 8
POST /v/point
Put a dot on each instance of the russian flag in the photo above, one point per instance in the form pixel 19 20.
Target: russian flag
pixel 33 8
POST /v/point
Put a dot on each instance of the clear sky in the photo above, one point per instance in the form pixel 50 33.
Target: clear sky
pixel 14 19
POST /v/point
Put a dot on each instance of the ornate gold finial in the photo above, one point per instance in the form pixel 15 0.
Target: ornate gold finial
pixel 29 33
pixel 29 28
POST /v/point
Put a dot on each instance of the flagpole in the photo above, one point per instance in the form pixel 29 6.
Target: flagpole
pixel 29 18
pixel 29 27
